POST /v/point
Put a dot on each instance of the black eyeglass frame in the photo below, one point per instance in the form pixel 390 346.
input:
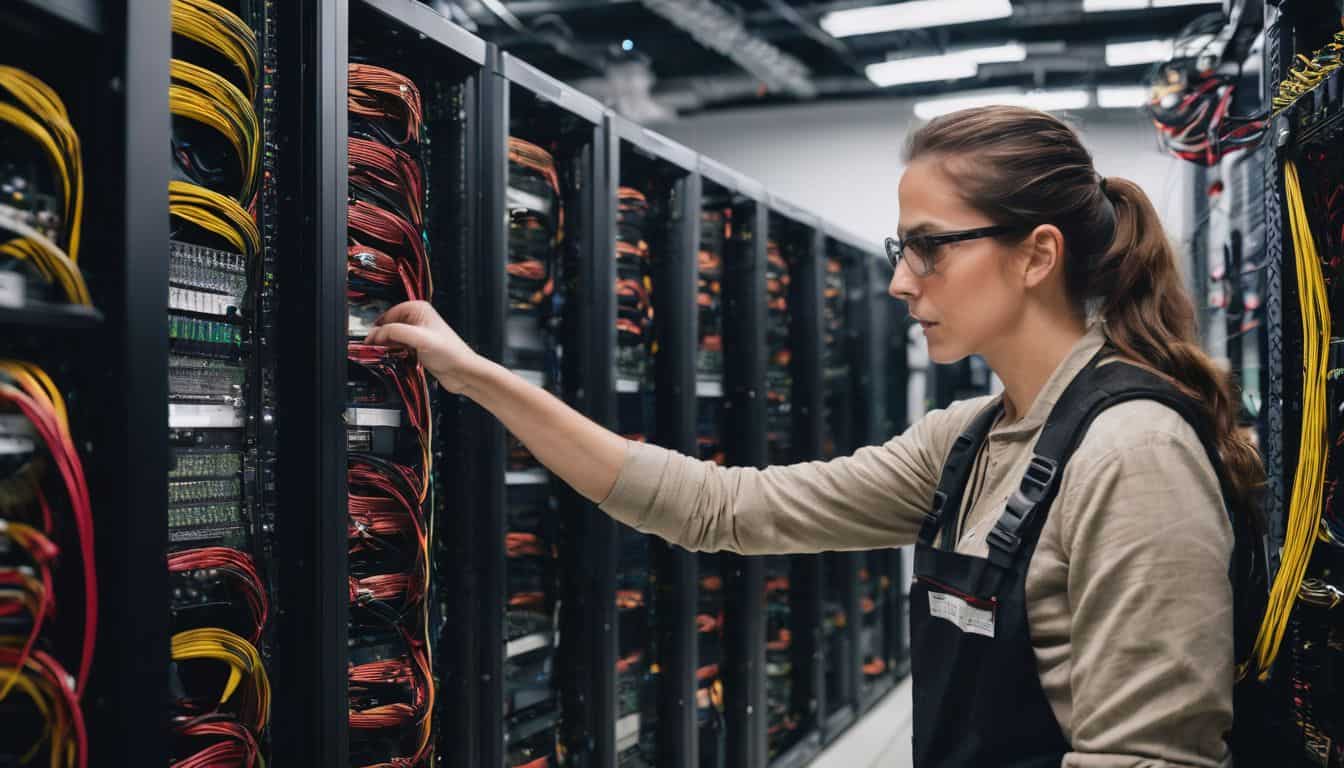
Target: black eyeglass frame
pixel 895 247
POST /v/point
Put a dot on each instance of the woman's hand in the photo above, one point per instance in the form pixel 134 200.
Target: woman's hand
pixel 416 325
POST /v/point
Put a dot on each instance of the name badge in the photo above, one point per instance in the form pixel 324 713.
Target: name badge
pixel 967 618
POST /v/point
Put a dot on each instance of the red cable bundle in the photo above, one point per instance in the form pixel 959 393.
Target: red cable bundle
pixel 385 587
pixel 37 597
pixel 66 719
pixel 379 268
pixel 392 364
pixel 523 545
pixel 389 228
pixel 531 156
pixel 239 747
pixel 63 454
pixel 235 563
pixel 418 675
pixel 377 165
pixel 381 94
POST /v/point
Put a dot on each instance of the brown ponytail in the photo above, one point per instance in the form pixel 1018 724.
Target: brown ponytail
pixel 1024 167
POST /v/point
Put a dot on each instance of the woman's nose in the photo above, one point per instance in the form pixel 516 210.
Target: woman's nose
pixel 904 284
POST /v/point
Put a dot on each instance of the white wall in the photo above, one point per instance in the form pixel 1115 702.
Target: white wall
pixel 843 160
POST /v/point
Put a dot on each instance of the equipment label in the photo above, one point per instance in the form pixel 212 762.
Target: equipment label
pixel 967 617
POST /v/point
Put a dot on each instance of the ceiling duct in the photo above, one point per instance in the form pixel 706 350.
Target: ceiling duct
pixel 717 29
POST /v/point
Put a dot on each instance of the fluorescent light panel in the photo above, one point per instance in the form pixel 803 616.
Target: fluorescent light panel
pixel 1096 6
pixel 1047 101
pixel 916 14
pixel 1137 52
pixel 1122 96
pixel 951 66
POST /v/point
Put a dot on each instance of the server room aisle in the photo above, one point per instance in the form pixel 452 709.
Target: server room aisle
pixel 881 739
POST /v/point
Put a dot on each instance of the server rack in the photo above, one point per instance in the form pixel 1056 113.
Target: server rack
pixel 876 591
pixel 108 63
pixel 844 302
pixel 539 689
pixel 888 345
pixel 795 673
pixel 657 199
pixel 414 83
pixel 222 399
pixel 730 403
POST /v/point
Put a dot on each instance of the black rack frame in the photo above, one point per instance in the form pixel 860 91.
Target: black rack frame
pixel 675 275
pixel 809 674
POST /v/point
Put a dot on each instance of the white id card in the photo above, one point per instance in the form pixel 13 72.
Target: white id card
pixel 968 618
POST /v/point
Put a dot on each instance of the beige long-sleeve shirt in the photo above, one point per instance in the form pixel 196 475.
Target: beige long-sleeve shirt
pixel 1128 599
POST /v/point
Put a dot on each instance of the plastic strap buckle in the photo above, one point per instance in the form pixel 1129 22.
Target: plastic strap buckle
pixel 1005 538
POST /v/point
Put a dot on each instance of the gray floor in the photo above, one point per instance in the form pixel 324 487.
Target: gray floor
pixel 880 740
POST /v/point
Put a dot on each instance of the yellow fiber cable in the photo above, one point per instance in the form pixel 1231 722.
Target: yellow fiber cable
pixel 198 94
pixel 1308 73
pixel 1304 510
pixel 49 125
pixel 216 213
pixel 36 246
pixel 218 28
pixel 246 671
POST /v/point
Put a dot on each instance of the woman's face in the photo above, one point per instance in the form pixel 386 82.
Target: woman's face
pixel 972 299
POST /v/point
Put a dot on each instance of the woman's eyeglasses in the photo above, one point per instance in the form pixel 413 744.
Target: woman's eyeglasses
pixel 922 250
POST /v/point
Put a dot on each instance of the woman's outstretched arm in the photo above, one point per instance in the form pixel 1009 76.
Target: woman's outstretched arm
pixel 875 498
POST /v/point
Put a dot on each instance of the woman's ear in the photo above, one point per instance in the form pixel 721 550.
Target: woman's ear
pixel 1042 254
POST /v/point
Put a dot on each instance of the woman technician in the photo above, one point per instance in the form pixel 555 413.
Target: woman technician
pixel 1072 602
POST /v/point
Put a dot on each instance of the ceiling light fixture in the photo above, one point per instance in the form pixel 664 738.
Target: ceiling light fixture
pixel 949 66
pixel 1097 6
pixel 1046 101
pixel 1122 96
pixel 1138 52
pixel 915 14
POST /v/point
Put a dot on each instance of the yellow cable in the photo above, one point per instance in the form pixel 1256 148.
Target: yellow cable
pixel 216 213
pixel 35 245
pixel 49 124
pixel 1304 509
pixel 218 28
pixel 246 671
pixel 198 94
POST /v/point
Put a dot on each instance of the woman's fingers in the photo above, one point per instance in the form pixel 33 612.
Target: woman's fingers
pixel 389 334
pixel 409 312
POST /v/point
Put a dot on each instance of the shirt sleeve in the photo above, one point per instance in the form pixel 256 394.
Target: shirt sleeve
pixel 872 499
pixel 1149 543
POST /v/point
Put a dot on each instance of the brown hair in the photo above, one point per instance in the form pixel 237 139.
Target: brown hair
pixel 1024 167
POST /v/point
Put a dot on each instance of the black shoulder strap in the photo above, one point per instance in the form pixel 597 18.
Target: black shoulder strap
pixel 1096 388
pixel 956 473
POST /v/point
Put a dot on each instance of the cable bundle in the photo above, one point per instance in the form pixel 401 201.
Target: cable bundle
pixel 1304 512
pixel 391 696
pixel 34 110
pixel 715 229
pixel 388 98
pixel 28 389
pixel 246 674
pixel 634 309
pixel 1191 111
pixel 44 682
pixel 778 372
pixel 1190 101
pixel 210 563
pixel 1308 73
pixel 230 742
pixel 536 225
